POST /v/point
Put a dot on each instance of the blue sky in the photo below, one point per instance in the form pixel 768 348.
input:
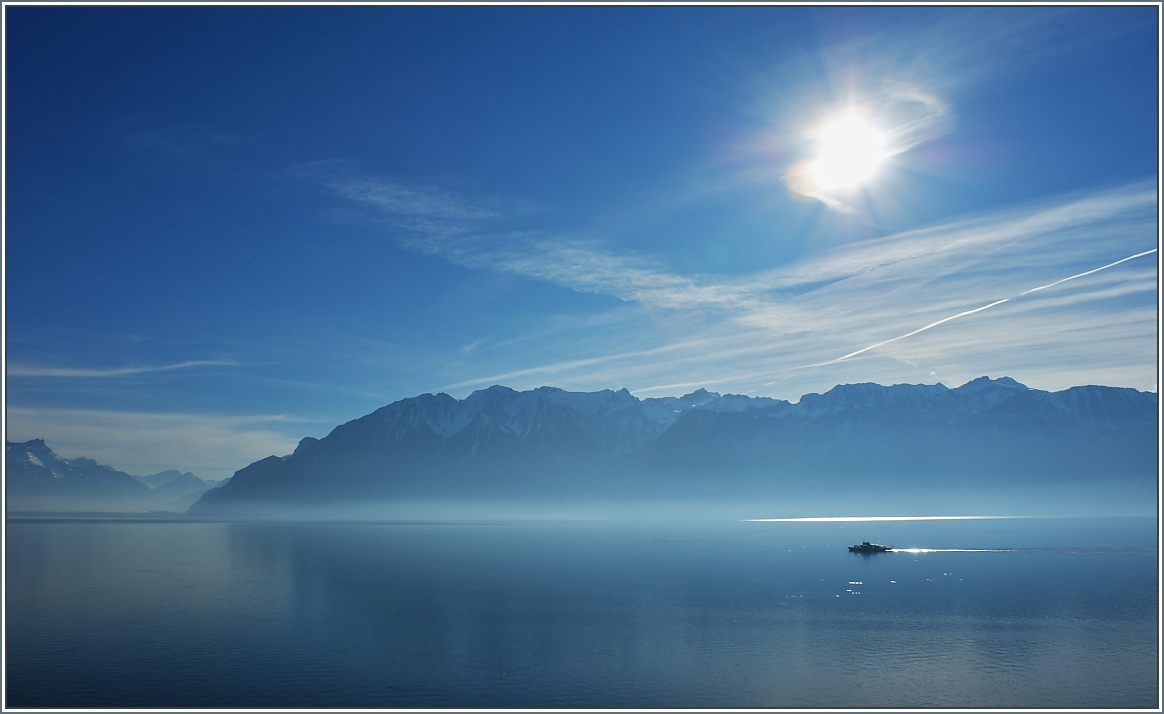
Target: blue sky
pixel 231 227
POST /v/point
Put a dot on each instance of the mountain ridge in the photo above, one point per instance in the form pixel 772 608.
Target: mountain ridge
pixel 558 446
pixel 38 479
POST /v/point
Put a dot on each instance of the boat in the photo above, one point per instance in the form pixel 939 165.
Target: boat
pixel 867 547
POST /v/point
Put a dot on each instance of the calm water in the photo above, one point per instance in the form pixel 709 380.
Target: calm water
pixel 1053 613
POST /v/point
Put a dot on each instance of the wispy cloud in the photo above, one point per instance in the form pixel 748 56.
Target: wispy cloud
pixel 944 320
pixel 570 365
pixel 1097 321
pixel 18 370
pixel 877 300
pixel 472 346
pixel 213 446
pixel 1088 272
pixel 469 233
pixel 976 310
pixel 185 148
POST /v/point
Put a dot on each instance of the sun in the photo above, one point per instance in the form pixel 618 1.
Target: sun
pixel 850 150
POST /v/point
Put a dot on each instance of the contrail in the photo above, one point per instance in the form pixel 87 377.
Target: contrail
pixel 1089 272
pixel 985 307
pixel 911 334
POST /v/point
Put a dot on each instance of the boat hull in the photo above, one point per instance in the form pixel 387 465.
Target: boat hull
pixel 868 547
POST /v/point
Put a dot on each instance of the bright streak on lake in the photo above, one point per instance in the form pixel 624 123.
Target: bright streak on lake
pixel 870 519
pixel 952 550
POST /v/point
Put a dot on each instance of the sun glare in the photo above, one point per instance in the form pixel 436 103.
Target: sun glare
pixel 851 149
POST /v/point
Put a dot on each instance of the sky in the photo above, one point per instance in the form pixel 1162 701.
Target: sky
pixel 228 228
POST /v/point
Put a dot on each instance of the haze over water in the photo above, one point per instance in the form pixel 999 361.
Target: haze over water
pixel 992 613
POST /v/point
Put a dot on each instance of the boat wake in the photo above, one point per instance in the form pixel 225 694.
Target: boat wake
pixel 1075 551
pixel 954 550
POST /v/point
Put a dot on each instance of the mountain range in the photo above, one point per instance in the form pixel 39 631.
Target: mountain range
pixel 38 479
pixel 992 443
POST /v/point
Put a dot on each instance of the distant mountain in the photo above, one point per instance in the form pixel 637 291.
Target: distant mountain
pixel 153 481
pixel 860 442
pixel 177 491
pixel 40 480
pixel 987 436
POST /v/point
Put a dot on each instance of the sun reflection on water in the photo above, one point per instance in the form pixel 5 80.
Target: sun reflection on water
pixel 872 519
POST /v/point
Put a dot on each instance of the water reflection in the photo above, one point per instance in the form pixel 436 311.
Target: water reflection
pixel 579 615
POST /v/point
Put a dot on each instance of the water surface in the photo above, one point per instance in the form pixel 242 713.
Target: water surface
pixel 1004 613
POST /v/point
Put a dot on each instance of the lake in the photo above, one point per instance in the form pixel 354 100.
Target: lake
pixel 995 613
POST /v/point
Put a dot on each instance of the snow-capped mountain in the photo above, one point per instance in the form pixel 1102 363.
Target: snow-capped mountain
pixel 995 434
pixel 39 480
pixel 551 444
pixel 495 439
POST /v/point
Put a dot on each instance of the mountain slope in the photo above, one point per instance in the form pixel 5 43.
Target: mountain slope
pixel 985 434
pixel 37 479
pixel 548 445
pixel 495 441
